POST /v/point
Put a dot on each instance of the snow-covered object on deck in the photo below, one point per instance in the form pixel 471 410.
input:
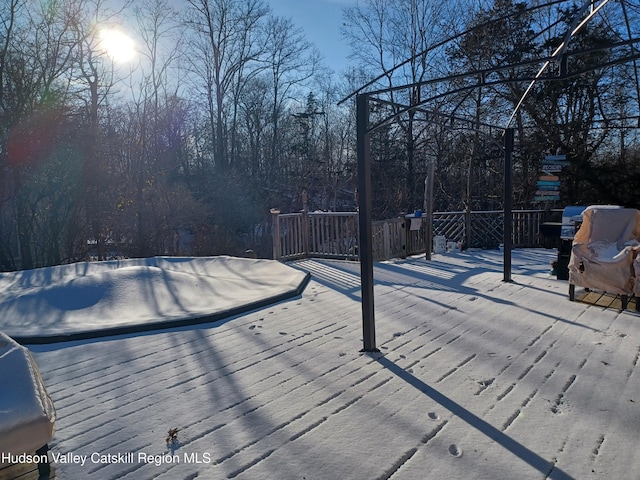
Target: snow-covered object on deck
pixel 27 415
pixel 604 248
pixel 86 299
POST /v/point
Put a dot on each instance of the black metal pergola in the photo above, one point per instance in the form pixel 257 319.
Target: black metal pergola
pixel 364 99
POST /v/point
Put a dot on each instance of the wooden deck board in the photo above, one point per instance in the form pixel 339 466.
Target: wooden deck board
pixel 605 300
pixel 24 471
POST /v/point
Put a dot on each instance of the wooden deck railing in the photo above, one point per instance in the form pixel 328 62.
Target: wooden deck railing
pixel 335 234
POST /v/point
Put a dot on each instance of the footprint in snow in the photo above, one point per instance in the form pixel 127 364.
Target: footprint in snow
pixel 486 383
pixel 455 450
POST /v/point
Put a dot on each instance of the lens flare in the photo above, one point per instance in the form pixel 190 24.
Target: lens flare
pixel 117 45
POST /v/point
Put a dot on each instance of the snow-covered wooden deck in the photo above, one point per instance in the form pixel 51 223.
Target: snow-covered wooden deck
pixel 475 379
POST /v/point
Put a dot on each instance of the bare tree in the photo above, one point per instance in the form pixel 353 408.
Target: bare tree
pixel 96 79
pixel 35 57
pixel 255 111
pixel 394 39
pixel 221 48
pixel 291 60
pixel 150 123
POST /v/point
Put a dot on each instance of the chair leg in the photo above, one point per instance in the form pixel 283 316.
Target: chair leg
pixel 572 292
pixel 44 468
pixel 625 301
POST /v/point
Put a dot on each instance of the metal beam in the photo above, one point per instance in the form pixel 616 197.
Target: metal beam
pixel 365 223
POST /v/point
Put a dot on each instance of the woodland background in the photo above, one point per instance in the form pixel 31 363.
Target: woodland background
pixel 231 111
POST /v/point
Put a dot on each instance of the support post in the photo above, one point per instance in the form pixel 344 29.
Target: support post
pixel 306 236
pixel 44 468
pixel 365 223
pixel 467 226
pixel 508 203
pixel 428 209
pixel 386 240
pixel 275 232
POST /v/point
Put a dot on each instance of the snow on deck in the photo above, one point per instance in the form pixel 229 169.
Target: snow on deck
pixel 475 379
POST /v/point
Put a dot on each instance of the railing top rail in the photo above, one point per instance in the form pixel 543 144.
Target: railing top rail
pixel 453 212
pixel 319 214
pixel 476 212
pixel 333 214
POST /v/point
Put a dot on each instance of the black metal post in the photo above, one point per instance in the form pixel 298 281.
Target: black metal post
pixel 508 203
pixel 365 223
pixel 428 209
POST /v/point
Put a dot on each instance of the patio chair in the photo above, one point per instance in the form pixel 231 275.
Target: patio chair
pixel 603 251
pixel 27 415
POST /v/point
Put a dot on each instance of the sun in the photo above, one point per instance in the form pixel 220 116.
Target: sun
pixel 117 45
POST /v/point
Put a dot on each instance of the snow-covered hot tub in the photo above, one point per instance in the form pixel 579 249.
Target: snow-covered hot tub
pixel 27 415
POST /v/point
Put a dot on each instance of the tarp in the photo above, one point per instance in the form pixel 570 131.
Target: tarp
pixel 603 249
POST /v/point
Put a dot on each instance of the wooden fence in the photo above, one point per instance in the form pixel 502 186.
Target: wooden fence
pixel 335 234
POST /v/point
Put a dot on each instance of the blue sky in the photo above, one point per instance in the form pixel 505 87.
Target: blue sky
pixel 321 21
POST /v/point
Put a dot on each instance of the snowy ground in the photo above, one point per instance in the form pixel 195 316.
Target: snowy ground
pixel 476 379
